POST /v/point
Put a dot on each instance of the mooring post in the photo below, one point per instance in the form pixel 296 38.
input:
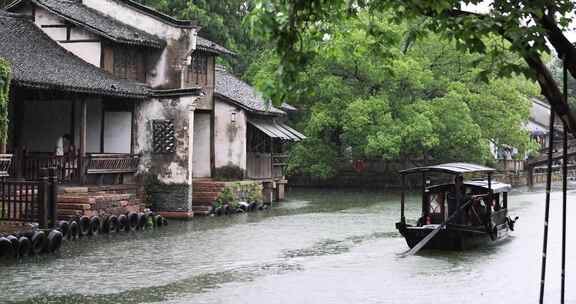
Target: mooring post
pixel 402 198
pixel 547 206
pixel 564 187
pixel 43 197
pixel 53 197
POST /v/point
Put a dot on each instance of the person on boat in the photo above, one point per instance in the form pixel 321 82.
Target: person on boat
pixel 457 197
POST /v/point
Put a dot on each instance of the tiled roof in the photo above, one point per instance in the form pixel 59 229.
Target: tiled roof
pixel 241 93
pixel 209 46
pixel 96 22
pixel 40 62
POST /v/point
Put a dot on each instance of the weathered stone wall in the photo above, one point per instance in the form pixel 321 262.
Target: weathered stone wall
pixel 165 67
pixel 229 136
pixel 171 170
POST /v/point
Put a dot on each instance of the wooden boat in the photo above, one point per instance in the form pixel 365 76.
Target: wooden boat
pixel 466 213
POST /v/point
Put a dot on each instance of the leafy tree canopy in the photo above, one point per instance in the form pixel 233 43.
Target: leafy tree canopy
pixel 368 96
pixel 297 27
pixel 220 22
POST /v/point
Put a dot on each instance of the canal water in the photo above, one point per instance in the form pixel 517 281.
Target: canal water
pixel 317 247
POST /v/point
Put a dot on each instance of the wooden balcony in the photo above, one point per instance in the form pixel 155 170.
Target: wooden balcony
pixel 72 168
pixel 266 165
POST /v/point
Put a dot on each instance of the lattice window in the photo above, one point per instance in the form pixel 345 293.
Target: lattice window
pixel 164 136
pixel 198 69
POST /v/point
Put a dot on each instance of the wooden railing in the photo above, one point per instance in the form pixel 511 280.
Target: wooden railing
pixel 70 168
pixel 279 164
pixel 112 163
pixel 29 166
pixel 265 165
pixel 30 201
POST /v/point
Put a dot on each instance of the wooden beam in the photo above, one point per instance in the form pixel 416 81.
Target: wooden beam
pixel 83 119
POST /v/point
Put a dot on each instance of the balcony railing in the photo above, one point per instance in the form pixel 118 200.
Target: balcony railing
pixel 72 167
pixel 266 165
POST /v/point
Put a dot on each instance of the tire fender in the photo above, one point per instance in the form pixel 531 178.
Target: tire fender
pixel 94 226
pixel 55 241
pixel 6 248
pixel 133 220
pixel 84 226
pixel 123 222
pixel 25 246
pixel 38 242
pixel 73 230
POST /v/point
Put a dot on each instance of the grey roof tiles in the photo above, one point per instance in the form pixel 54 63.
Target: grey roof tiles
pixel 40 62
pixel 238 91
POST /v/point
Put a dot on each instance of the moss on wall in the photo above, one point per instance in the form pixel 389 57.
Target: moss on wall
pixel 4 97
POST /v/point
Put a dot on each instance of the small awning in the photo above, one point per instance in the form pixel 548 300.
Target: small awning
pixel 277 130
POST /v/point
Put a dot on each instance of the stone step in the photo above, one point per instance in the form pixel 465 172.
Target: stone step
pixel 202 204
pixel 205 196
pixel 207 188
pixel 201 210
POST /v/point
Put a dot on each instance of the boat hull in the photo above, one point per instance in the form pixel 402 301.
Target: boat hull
pixel 452 237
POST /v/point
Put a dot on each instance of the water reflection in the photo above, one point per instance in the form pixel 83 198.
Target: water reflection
pixel 318 247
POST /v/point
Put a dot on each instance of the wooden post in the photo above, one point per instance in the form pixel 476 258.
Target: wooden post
pixel 53 197
pixel 43 189
pixel 403 198
pixel 83 118
pixel 530 176
pixel 424 197
pixel 490 195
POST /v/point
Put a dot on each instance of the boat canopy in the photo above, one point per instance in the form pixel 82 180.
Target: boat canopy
pixel 451 168
pixel 497 187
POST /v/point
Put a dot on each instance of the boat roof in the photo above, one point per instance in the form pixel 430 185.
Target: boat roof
pixel 497 187
pixel 451 168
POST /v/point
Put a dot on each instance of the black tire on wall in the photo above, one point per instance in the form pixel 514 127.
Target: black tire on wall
pixel 38 242
pixel 133 220
pixel 105 228
pixel 84 225
pixel 94 226
pixel 73 230
pixel 6 248
pixel 15 245
pixel 55 241
pixel 123 222
pixel 64 227
pixel 158 221
pixel 142 221
pixel 25 246
pixel 113 224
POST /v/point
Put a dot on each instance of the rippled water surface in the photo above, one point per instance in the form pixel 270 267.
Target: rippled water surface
pixel 317 247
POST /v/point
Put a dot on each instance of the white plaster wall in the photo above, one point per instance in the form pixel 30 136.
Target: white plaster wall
pixel 180 41
pixel 43 123
pixel 170 168
pixel 117 132
pixel 229 137
pixel 201 159
pixel 93 125
pixel 135 18
pixel 89 51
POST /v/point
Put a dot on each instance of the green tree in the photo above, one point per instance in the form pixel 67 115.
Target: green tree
pixel 220 22
pixel 524 27
pixel 379 98
pixel 4 97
